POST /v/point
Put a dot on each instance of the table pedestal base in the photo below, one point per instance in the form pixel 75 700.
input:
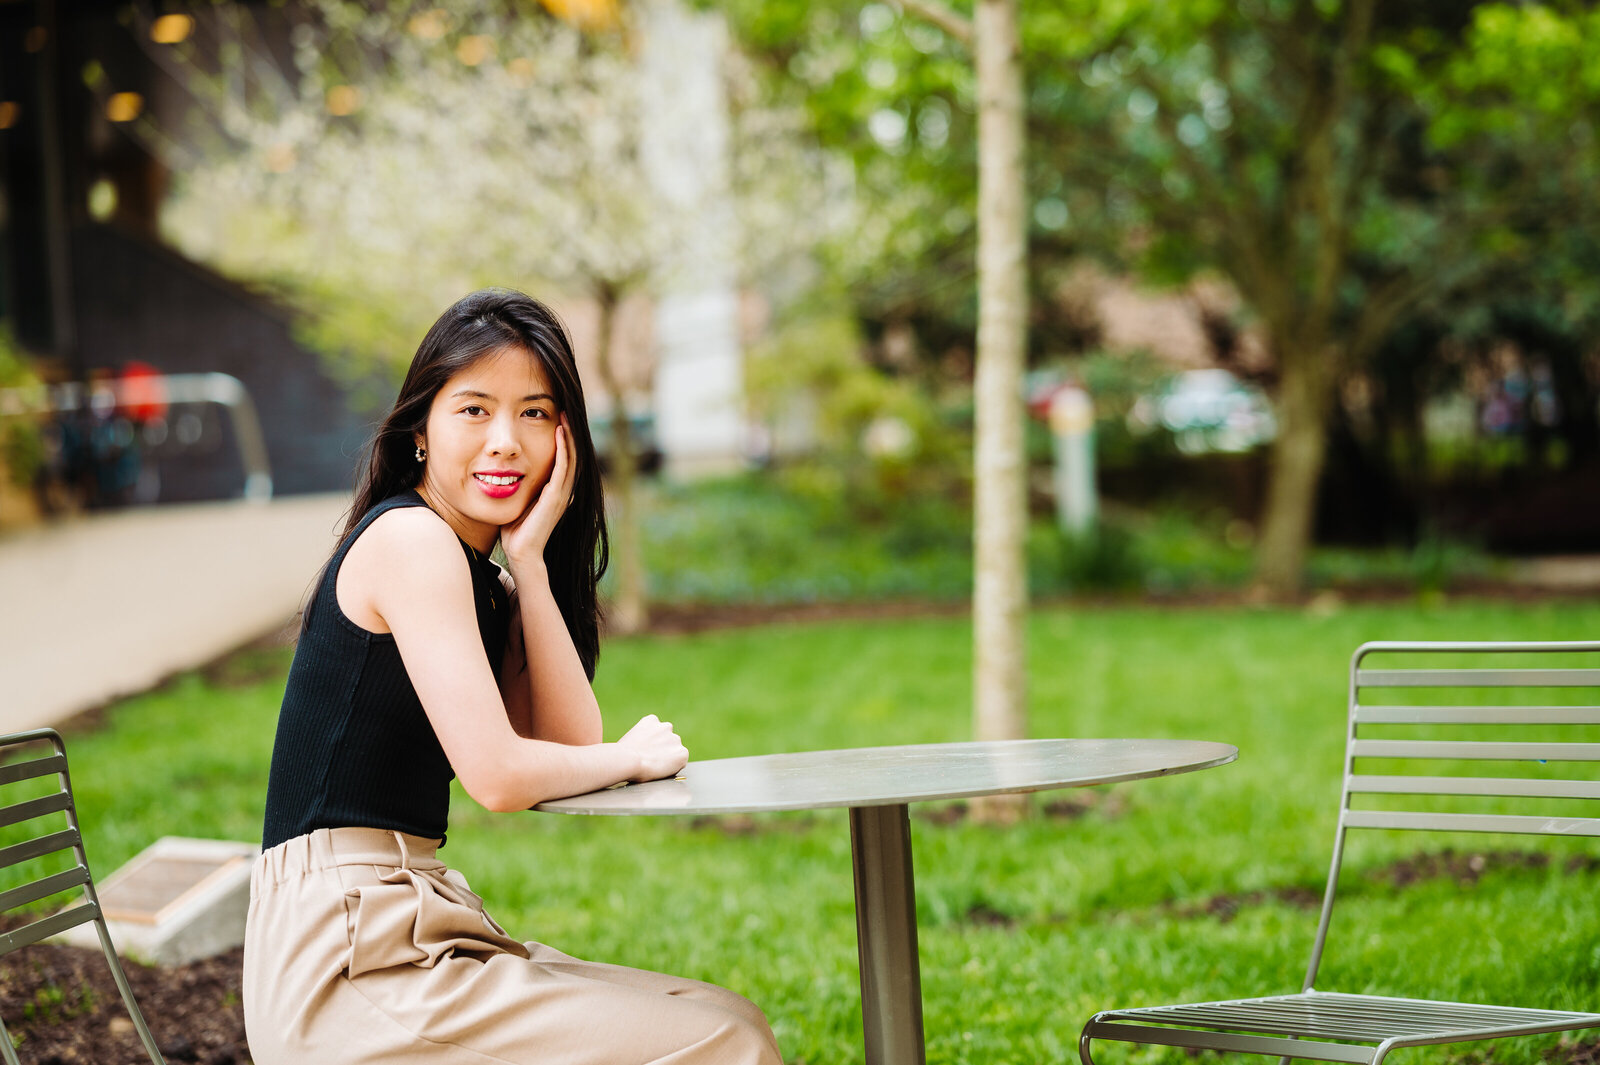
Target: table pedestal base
pixel 886 935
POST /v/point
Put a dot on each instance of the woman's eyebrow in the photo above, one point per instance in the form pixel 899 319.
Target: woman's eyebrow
pixel 468 393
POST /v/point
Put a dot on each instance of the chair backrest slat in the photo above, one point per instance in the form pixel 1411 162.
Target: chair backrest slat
pixel 44 887
pixel 1478 678
pixel 36 767
pixel 55 924
pixel 1444 822
pixel 37 848
pixel 16 813
pixel 1459 708
pixel 1478 715
pixel 1510 786
pixel 1476 750
pixel 1453 722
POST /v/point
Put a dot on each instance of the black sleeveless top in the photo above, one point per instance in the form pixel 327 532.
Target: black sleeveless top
pixel 354 747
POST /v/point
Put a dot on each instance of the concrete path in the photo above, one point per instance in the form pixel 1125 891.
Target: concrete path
pixel 1559 572
pixel 99 607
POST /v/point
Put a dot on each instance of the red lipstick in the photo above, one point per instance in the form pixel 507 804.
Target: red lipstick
pixel 498 491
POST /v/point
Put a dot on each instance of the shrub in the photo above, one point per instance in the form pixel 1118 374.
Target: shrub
pixel 21 445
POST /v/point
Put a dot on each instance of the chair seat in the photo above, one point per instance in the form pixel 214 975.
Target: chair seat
pixel 1352 1018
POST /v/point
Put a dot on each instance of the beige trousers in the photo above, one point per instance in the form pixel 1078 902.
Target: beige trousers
pixel 362 947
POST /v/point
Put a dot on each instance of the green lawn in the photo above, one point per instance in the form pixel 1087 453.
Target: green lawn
pixel 1108 900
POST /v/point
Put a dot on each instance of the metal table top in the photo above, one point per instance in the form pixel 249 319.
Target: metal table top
pixel 889 776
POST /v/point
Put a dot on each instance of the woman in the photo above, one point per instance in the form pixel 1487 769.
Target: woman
pixel 420 660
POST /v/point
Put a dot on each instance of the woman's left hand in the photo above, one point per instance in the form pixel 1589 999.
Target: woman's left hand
pixel 525 538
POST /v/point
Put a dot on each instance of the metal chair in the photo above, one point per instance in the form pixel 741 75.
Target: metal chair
pixel 1327 1025
pixel 36 819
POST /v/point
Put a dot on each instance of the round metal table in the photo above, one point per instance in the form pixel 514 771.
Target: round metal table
pixel 876 784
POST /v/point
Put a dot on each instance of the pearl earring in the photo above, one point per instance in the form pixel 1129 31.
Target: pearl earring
pixel 422 454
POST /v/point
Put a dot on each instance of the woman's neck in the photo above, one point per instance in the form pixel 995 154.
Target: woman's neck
pixel 476 535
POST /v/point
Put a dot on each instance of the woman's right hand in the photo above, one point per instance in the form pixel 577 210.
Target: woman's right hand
pixel 524 539
pixel 661 753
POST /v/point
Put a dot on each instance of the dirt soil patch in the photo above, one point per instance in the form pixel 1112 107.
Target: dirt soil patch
pixel 1571 1052
pixel 61 1006
pixel 1467 868
pixel 671 619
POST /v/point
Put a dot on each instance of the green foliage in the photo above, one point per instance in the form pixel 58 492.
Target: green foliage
pixel 1167 553
pixel 895 98
pixel 1105 559
pixel 53 1004
pixel 802 535
pixel 1521 69
pixel 885 440
pixel 21 447
pixel 1433 565
pixel 794 539
pixel 1185 888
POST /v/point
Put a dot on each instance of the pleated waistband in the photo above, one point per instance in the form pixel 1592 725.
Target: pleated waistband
pixel 328 848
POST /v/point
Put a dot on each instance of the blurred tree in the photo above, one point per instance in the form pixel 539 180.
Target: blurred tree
pixel 1524 332
pixel 1000 472
pixel 421 150
pixel 1523 94
pixel 894 97
pixel 1342 163
pixel 852 89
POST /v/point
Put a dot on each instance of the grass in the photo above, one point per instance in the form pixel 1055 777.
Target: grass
pixel 1024 931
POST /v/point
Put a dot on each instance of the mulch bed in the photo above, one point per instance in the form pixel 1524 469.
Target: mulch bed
pixel 669 619
pixel 61 1007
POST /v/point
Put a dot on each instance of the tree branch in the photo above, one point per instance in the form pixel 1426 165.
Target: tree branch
pixel 932 11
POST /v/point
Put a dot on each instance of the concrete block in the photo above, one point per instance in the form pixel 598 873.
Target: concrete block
pixel 178 900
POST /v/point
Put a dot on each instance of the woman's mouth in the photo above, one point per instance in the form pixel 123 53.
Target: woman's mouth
pixel 498 485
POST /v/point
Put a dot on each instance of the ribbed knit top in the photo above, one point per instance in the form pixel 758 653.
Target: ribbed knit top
pixel 354 746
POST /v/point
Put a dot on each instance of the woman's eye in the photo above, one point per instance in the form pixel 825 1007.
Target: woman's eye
pixel 537 412
pixel 474 410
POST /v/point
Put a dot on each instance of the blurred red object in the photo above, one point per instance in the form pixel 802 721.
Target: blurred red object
pixel 141 392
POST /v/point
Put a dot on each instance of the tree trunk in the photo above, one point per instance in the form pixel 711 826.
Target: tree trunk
pixel 1304 397
pixel 630 612
pixel 1000 593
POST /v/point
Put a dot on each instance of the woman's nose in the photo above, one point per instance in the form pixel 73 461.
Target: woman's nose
pixel 502 437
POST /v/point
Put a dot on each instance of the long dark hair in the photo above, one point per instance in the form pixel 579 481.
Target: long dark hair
pixel 476 325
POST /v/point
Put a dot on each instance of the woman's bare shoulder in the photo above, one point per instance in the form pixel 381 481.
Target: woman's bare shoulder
pixel 408 550
pixel 410 541
pixel 410 526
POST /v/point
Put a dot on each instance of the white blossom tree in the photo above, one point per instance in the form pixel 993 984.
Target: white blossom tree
pixel 416 151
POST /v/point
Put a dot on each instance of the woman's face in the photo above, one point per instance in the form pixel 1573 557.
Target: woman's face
pixel 491 443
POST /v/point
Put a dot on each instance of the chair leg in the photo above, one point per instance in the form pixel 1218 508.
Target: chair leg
pixel 1084 1040
pixel 128 1001
pixel 6 1049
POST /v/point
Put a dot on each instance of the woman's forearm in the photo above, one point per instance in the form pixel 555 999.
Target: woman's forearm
pixel 527 772
pixel 564 706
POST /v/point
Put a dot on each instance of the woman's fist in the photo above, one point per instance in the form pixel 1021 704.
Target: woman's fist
pixel 661 753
